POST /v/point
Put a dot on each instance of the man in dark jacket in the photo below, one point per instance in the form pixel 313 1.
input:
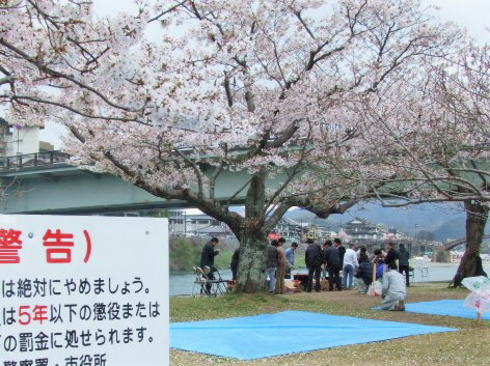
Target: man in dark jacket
pixel 341 249
pixel 332 259
pixel 271 263
pixel 403 263
pixel 207 260
pixel 391 254
pixel 313 260
pixel 234 264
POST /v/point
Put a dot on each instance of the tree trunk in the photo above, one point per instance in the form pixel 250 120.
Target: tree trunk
pixel 476 219
pixel 253 239
pixel 251 268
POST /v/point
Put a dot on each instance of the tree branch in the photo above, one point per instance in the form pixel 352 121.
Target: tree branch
pixel 57 74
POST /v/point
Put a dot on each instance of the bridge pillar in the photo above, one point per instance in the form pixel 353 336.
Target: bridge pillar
pixel 440 255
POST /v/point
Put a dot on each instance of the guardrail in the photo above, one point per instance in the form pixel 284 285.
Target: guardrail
pixel 28 161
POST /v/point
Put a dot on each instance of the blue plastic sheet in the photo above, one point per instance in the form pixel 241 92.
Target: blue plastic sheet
pixel 444 307
pixel 269 335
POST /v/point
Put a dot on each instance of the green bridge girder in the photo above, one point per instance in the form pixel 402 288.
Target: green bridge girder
pixel 65 189
pixel 43 183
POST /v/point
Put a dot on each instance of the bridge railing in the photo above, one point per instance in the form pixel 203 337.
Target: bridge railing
pixel 27 161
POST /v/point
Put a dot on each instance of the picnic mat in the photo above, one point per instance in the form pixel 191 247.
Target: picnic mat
pixel 269 335
pixel 444 307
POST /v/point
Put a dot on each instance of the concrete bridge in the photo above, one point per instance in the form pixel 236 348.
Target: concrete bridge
pixel 44 183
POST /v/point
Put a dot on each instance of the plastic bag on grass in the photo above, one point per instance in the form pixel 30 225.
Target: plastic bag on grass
pixel 375 289
pixel 479 299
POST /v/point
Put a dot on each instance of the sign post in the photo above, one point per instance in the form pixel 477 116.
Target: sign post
pixel 83 291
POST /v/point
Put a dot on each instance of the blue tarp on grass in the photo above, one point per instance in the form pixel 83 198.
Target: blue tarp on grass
pixel 444 307
pixel 269 335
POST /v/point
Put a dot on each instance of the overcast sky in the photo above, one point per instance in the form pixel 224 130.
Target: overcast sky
pixel 472 14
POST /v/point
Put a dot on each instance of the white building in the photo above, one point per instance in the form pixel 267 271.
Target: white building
pixel 18 140
pixel 183 224
pixel 359 230
pixel 289 229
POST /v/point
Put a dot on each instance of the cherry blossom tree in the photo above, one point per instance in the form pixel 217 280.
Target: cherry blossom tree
pixel 463 92
pixel 430 137
pixel 237 85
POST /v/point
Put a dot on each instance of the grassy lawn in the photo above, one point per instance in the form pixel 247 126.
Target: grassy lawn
pixel 468 347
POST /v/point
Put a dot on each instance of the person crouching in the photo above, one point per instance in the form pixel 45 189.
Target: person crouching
pixel 394 289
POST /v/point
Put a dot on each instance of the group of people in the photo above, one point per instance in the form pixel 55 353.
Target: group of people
pixel 394 284
pixel 359 270
pixel 322 260
pixel 278 264
pixel 383 265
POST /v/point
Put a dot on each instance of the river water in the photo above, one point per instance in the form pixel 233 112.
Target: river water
pixel 182 283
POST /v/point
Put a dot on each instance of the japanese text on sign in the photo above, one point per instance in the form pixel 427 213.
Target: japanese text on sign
pixel 73 294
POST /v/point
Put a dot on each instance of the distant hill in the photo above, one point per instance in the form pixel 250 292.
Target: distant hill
pixel 454 229
pixel 445 220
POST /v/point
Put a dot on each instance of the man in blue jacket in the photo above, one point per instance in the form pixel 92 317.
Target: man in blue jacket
pixel 290 256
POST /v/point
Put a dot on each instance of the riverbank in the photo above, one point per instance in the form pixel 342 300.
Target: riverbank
pixel 181 283
pixel 185 253
pixel 470 346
